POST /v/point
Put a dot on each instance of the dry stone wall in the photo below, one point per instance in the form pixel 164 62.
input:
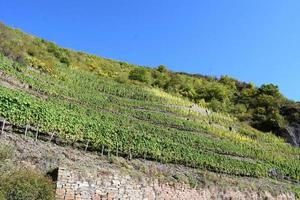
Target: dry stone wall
pixel 73 185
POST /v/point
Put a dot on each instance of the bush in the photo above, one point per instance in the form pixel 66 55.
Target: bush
pixel 140 74
pixel 35 62
pixel 122 78
pixel 65 60
pixel 160 79
pixel 162 69
pixel 26 185
pixel 5 153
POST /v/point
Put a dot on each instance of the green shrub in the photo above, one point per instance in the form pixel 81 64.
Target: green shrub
pixel 5 153
pixel 122 78
pixel 140 74
pixel 162 69
pixel 65 60
pixel 35 62
pixel 26 185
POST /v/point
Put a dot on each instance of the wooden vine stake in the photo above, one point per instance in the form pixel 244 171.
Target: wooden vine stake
pixel 117 152
pixel 102 150
pixel 26 129
pixel 51 137
pixel 3 125
pixel 36 133
pixel 86 146
pixel 130 155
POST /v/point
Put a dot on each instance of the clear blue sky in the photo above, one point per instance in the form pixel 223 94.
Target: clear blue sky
pixel 251 40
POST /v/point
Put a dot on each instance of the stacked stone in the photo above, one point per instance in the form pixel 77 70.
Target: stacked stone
pixel 72 186
pixel 76 186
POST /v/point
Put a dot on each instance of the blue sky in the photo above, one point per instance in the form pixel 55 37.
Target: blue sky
pixel 252 40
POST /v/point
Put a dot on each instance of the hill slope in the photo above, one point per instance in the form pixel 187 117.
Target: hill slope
pixel 263 108
pixel 155 114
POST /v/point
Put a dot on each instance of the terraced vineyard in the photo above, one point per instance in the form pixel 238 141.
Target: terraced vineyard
pixel 137 121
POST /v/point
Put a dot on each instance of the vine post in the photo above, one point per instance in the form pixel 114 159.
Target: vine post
pixel 102 150
pixel 36 133
pixel 26 130
pixel 52 135
pixel 86 146
pixel 117 152
pixel 3 125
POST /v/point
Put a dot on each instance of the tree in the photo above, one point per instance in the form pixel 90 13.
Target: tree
pixel 213 90
pixel 267 115
pixel 228 81
pixel 246 95
pixel 160 79
pixel 270 89
pixel 174 84
pixel 162 68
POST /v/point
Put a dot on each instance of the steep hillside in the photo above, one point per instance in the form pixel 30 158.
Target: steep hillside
pixel 115 108
pixel 259 107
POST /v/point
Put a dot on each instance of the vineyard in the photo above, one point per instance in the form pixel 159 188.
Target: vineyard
pixel 135 121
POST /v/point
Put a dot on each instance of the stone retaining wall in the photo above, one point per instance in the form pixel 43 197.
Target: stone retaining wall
pixel 73 185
